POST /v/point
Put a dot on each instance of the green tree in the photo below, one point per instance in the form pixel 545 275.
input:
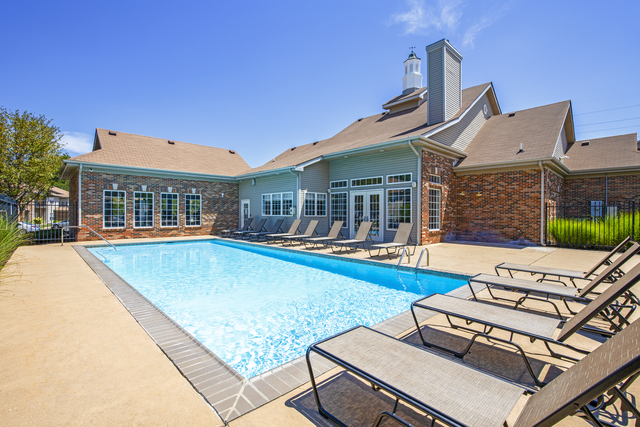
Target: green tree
pixel 30 154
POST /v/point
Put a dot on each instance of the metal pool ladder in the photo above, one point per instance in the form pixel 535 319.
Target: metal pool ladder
pixel 420 258
pixel 87 227
pixel 408 252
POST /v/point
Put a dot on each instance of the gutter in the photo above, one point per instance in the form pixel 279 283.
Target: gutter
pixel 542 242
pixel 534 163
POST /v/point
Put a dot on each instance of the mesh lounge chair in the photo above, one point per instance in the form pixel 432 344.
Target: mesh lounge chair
pixel 292 230
pixel 362 236
pixel 402 239
pixel 247 226
pixel 456 394
pixel 309 232
pixel 531 325
pixel 277 228
pixel 257 227
pixel 564 293
pixel 336 230
pixel 572 275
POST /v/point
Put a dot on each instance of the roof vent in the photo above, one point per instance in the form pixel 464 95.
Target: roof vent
pixel 360 119
pixel 293 148
pixel 171 142
pixel 315 142
pixel 111 132
pixel 584 144
pixel 512 114
pixel 232 152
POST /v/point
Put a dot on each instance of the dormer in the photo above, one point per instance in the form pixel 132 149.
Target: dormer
pixel 413 94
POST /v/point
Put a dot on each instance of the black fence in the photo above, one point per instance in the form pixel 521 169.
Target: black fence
pixel 45 221
pixel 8 208
pixel 592 224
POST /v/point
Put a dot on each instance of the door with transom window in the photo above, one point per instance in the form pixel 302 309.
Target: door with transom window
pixel 367 206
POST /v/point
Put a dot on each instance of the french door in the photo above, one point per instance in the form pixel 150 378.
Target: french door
pixel 245 211
pixel 367 206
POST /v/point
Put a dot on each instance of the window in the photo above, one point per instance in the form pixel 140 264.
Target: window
pixel 435 179
pixel 338 184
pixel 276 204
pixel 168 210
pixel 113 209
pixel 596 208
pixel 315 204
pixel 192 210
pixel 399 179
pixel 339 208
pixel 142 209
pixel 398 207
pixel 434 209
pixel 363 182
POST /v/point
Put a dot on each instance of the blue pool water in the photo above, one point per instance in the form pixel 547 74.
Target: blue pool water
pixel 257 307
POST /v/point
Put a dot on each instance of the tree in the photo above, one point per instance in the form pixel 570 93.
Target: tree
pixel 30 154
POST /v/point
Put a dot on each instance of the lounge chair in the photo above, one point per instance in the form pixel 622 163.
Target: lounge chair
pixel 402 239
pixel 247 226
pixel 562 292
pixel 258 227
pixel 292 230
pixel 309 232
pixel 362 236
pixel 572 275
pixel 455 394
pixel 336 230
pixel 531 325
pixel 277 228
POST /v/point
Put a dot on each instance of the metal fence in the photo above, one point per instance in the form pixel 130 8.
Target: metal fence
pixel 45 221
pixel 8 208
pixel 592 224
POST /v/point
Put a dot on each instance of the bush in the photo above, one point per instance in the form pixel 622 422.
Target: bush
pixel 37 220
pixel 608 231
pixel 10 238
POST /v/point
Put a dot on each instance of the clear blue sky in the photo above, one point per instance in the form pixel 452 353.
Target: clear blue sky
pixel 261 77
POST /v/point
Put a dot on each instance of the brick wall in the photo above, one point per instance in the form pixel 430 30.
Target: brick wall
pixel 443 167
pixel 581 191
pixel 218 213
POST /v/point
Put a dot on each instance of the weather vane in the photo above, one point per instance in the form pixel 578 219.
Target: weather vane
pixel 412 47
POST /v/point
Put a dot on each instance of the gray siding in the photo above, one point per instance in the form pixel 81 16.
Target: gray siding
pixel 315 179
pixel 435 85
pixel 453 91
pixel 380 164
pixel 460 135
pixel 284 182
pixel 561 144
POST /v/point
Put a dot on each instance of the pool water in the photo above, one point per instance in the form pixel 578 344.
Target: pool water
pixel 257 307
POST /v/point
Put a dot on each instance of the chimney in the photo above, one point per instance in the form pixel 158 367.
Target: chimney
pixel 444 81
pixel 412 79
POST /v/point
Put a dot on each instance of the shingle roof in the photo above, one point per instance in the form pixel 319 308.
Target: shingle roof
pixel 128 149
pixel 58 192
pixel 370 130
pixel 398 98
pixel 499 139
pixel 603 153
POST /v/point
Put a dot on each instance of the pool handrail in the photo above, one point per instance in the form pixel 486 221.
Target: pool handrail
pixel 84 226
pixel 420 258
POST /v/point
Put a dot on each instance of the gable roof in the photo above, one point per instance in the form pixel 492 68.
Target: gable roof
pixel 127 149
pixel 499 139
pixel 58 192
pixel 603 153
pixel 372 130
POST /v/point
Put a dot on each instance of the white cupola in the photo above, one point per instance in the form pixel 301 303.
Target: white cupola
pixel 412 79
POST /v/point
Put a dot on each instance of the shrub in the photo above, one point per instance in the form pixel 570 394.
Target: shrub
pixel 608 231
pixel 37 220
pixel 10 238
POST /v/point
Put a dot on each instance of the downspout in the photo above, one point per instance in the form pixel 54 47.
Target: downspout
pixel 80 195
pixel 542 242
pixel 606 190
pixel 419 196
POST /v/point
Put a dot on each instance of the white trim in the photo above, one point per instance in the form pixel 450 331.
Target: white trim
pixel 346 222
pixel 177 212
pixel 301 166
pixel 411 98
pixel 367 185
pixel 153 219
pixel 452 122
pixel 185 209
pixel 124 227
pixel 346 181
pixel 439 210
pixel 315 204
pixel 242 202
pixel 365 193
pixel 386 222
pixel 403 182
pixel 282 212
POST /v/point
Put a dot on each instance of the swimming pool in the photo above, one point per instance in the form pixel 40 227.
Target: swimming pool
pixel 257 307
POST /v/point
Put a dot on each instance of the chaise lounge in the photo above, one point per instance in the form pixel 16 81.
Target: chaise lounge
pixel 362 236
pixel 277 228
pixel 292 231
pixel 336 230
pixel 401 240
pixel 247 226
pixel 257 228
pixel 309 232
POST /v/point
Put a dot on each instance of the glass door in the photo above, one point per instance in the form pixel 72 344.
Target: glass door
pixel 245 208
pixel 367 206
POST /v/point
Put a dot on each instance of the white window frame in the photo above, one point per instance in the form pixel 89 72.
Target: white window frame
pixel 336 186
pixel 104 200
pixel 438 182
pixel 315 204
pixel 367 185
pixel 177 211
pixel 389 215
pixel 345 223
pixel 283 211
pixel 135 207
pixel 401 182
pixel 186 215
pixel 439 221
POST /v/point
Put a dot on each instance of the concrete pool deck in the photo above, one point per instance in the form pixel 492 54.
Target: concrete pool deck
pixel 73 355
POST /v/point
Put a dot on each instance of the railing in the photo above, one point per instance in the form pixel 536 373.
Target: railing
pixel 88 228
pixel 420 258
pixel 408 252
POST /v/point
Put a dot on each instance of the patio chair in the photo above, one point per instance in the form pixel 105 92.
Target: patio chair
pixel 247 226
pixel 309 232
pixel 531 325
pixel 561 292
pixel 336 230
pixel 572 275
pixel 362 236
pixel 277 228
pixel 456 394
pixel 402 239
pixel 294 229
pixel 253 228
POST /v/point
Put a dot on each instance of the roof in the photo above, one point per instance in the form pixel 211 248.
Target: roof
pixel 58 192
pixel 371 130
pixel 603 153
pixel 499 139
pixel 415 92
pixel 127 149
pixel 412 55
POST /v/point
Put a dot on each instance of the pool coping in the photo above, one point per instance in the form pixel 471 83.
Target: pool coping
pixel 228 392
